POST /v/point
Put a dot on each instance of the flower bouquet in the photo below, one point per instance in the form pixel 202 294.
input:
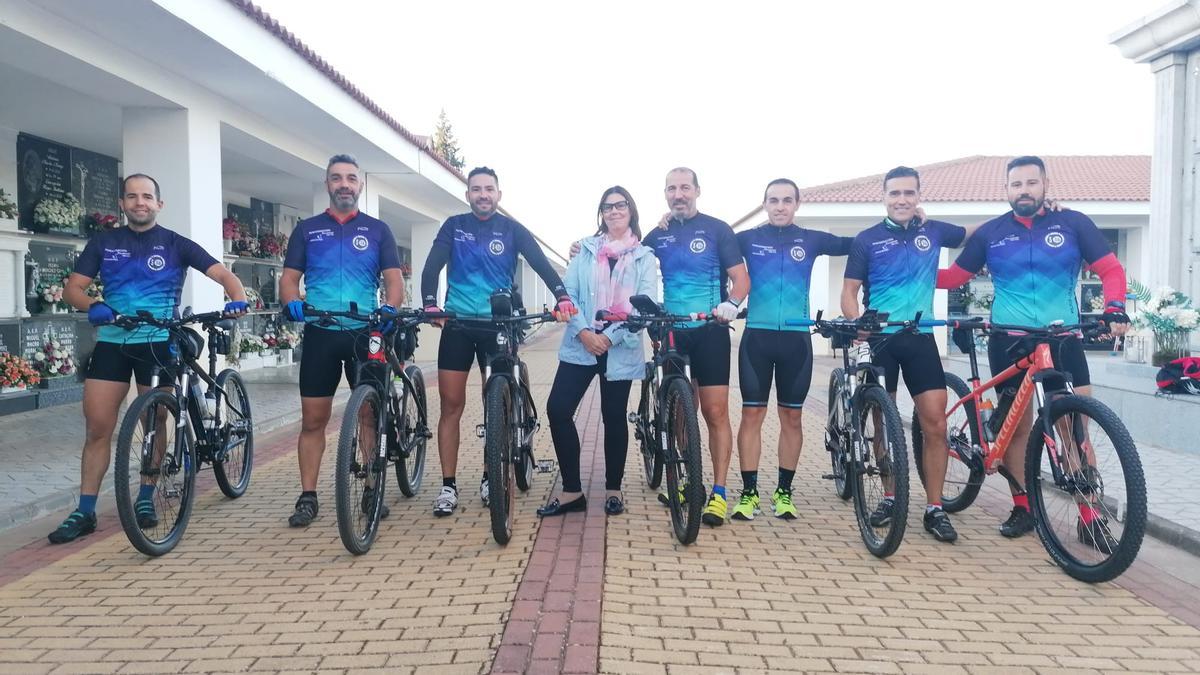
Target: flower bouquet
pixel 231 231
pixel 1168 314
pixel 286 340
pixel 99 222
pixel 58 215
pixel 270 245
pixel 51 296
pixel 7 208
pixel 16 374
pixel 53 361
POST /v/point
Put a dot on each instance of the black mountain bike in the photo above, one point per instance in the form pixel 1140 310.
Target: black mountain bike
pixel 167 434
pixel 510 418
pixel 665 424
pixel 385 421
pixel 863 432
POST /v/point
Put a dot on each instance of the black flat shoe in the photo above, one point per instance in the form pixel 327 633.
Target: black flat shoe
pixel 557 508
pixel 613 506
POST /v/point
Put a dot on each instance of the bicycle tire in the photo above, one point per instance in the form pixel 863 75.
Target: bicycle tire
pixel 525 461
pixel 973 474
pixel 836 446
pixel 238 460
pixel 896 467
pixel 652 459
pixel 349 472
pixel 1134 524
pixel 497 454
pixel 152 543
pixel 411 433
pixel 683 450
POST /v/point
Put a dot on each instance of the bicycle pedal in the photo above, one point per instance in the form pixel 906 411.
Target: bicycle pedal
pixel 479 431
pixel 545 465
pixel 828 476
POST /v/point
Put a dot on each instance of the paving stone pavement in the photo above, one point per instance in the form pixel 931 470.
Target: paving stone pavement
pixel 243 592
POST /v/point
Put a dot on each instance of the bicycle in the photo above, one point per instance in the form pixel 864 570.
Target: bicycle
pixel 863 431
pixel 166 435
pixel 510 418
pixel 1063 467
pixel 665 424
pixel 387 402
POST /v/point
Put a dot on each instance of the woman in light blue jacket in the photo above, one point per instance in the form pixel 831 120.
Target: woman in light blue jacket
pixel 611 267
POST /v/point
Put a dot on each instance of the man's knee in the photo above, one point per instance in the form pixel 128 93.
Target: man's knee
pixel 753 415
pixel 715 412
pixel 314 421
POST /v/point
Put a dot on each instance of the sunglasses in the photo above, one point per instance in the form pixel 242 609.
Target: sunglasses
pixel 620 206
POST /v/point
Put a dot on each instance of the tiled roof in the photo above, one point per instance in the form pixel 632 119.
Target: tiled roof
pixel 1106 178
pixel 288 38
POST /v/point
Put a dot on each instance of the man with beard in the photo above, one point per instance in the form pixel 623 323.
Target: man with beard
pixel 1034 255
pixel 341 254
pixel 143 267
pixel 479 250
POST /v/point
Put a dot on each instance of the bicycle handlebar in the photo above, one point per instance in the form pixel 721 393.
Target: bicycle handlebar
pixel 1053 330
pixel 376 316
pixel 144 318
pixel 867 323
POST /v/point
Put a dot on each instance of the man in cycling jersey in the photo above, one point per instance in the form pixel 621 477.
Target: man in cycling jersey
pixel 698 254
pixel 479 250
pixel 895 263
pixel 1034 255
pixel 341 253
pixel 143 266
pixel 779 258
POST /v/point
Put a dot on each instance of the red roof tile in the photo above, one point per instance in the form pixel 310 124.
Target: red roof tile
pixel 288 38
pixel 1107 178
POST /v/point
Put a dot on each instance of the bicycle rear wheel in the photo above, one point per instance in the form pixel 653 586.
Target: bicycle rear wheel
pixel 498 444
pixel 834 442
pixel 880 469
pixel 964 470
pixel 411 433
pixel 150 452
pixel 684 467
pixel 1086 488
pixel 360 468
pixel 525 462
pixel 234 460
pixel 652 461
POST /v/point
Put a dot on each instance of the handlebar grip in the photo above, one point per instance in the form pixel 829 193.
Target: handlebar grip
pixel 931 323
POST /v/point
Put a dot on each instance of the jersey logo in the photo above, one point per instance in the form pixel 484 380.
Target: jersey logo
pixel 359 242
pixel 922 242
pixel 1055 239
pixel 156 262
pixel 698 245
pixel 496 247
pixel 798 253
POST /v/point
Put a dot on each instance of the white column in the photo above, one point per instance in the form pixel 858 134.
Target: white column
pixel 422 242
pixel 368 201
pixel 181 149
pixel 320 199
pixel 1166 243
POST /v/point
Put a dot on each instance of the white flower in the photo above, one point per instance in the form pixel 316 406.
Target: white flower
pixel 53 370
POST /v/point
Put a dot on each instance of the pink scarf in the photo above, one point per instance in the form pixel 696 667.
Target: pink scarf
pixel 611 295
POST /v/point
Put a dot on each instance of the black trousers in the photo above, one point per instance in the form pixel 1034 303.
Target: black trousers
pixel 571 382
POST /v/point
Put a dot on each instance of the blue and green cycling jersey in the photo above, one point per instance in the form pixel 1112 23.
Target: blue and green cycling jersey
pixel 342 261
pixel 780 262
pixel 141 271
pixel 694 256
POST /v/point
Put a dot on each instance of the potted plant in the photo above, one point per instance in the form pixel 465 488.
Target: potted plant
pixel 230 231
pixel 55 364
pixel 1169 316
pixel 250 349
pixel 16 374
pixel 286 341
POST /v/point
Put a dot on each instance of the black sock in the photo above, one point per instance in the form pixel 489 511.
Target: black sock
pixel 450 483
pixel 750 481
pixel 309 493
pixel 785 479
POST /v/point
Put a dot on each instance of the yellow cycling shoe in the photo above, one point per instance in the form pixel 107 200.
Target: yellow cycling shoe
pixel 747 506
pixel 714 513
pixel 782 501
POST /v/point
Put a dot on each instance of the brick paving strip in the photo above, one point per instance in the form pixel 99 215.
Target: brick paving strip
pixel 554 626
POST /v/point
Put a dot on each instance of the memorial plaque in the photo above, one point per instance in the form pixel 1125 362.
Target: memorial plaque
pixel 55 261
pixel 262 215
pixel 96 182
pixel 43 172
pixel 10 337
pixel 241 214
pixel 36 333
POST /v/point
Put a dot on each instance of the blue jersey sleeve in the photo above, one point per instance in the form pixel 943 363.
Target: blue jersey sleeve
pixel 389 256
pixel 439 257
pixel 529 247
pixel 193 255
pixel 297 251
pixel 856 264
pixel 952 236
pixel 743 240
pixel 88 262
pixel 1092 244
pixel 834 245
pixel 728 251
pixel 974 254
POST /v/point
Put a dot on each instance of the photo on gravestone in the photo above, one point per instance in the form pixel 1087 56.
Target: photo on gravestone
pixel 43 174
pixel 264 283
pixel 51 264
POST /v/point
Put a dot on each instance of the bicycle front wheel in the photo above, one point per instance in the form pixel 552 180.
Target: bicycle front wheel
pixel 835 444
pixel 964 470
pixel 155 473
pixel 685 469
pixel 880 471
pixel 234 460
pixel 498 445
pixel 359 479
pixel 1086 488
pixel 652 461
pixel 412 433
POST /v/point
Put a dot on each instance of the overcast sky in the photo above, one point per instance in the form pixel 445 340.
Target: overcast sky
pixel 564 99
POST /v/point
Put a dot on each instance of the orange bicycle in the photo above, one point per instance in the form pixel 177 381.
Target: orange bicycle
pixel 1084 477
